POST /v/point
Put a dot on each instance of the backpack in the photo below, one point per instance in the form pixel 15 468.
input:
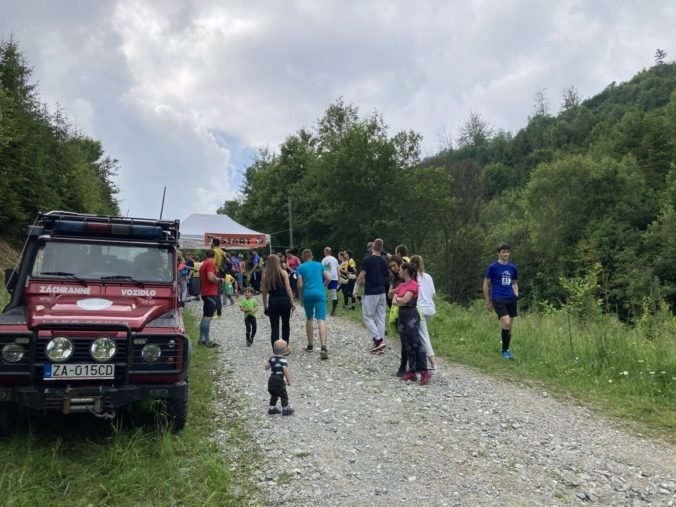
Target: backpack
pixel 225 269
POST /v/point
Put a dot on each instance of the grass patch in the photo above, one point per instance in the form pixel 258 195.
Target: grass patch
pixel 76 461
pixel 625 371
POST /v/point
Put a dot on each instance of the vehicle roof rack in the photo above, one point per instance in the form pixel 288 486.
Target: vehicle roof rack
pixel 68 223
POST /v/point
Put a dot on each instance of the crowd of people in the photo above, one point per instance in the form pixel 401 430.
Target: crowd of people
pixel 397 290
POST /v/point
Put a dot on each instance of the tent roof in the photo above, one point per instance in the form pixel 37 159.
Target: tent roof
pixel 198 229
pixel 197 224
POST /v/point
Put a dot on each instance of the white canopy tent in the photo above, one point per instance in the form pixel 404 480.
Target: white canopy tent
pixel 199 229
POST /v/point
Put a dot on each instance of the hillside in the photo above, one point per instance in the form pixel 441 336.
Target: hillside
pixel 9 254
pixel 586 196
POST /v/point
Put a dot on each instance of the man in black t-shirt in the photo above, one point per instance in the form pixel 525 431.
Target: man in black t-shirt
pixel 374 276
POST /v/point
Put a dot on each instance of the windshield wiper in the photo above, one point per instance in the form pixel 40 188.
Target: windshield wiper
pixel 62 273
pixel 122 277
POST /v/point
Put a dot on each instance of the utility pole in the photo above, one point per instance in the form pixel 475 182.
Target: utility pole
pixel 290 224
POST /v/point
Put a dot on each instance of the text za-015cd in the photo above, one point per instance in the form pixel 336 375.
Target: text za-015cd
pixel 78 371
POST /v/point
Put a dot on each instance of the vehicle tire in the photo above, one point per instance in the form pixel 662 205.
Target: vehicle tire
pixel 176 410
pixel 9 414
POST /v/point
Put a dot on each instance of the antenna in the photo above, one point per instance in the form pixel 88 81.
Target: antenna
pixel 164 193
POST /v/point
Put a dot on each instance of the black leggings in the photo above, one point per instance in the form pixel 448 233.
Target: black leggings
pixel 293 281
pixel 256 281
pixel 409 332
pixel 348 291
pixel 279 308
pixel 250 323
pixel 219 301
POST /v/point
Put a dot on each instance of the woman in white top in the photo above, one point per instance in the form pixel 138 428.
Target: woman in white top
pixel 426 307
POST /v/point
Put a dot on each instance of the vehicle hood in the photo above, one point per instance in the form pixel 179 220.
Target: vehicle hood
pixel 133 306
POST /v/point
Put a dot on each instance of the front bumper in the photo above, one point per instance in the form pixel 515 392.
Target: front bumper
pixel 97 400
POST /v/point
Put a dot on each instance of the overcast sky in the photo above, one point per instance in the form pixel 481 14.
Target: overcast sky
pixel 184 92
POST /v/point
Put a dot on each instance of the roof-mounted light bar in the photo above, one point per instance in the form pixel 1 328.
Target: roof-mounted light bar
pixel 73 224
pixel 67 227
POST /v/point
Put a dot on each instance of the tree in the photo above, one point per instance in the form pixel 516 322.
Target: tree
pixel 540 103
pixel 474 132
pixel 565 196
pixel 429 204
pixel 346 178
pixel 15 73
pixel 660 242
pixel 445 139
pixel 231 208
pixel 570 98
pixel 583 210
pixel 334 124
pixel 660 56
pixel 647 137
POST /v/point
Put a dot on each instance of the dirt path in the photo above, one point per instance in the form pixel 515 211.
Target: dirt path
pixel 362 437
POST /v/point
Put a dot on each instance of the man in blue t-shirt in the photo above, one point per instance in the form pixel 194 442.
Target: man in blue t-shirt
pixel 501 292
pixel 374 275
pixel 237 271
pixel 311 287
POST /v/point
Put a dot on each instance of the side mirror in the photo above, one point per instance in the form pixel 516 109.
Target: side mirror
pixel 10 279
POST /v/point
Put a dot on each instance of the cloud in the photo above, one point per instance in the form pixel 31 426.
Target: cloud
pixel 183 92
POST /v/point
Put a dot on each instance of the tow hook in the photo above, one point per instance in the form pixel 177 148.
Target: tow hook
pixel 104 415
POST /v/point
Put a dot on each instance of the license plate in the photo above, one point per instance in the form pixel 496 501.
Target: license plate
pixel 78 371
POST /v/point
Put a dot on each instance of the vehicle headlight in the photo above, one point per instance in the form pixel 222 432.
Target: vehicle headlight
pixel 103 349
pixel 60 349
pixel 151 353
pixel 13 352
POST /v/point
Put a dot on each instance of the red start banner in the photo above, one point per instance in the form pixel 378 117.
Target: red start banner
pixel 236 240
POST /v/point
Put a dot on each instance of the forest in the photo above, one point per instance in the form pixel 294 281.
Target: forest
pixel 45 162
pixel 586 195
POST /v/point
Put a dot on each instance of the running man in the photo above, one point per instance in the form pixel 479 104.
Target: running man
pixel 501 292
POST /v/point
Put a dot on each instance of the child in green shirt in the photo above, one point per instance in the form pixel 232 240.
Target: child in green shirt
pixel 229 287
pixel 249 306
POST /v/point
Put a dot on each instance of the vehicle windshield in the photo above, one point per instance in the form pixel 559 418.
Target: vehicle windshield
pixel 103 262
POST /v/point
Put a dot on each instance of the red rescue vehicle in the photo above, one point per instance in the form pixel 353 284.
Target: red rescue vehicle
pixel 93 324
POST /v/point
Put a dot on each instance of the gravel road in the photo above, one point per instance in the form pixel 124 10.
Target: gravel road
pixel 361 437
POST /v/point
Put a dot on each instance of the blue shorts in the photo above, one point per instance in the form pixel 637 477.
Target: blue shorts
pixel 333 284
pixel 315 305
